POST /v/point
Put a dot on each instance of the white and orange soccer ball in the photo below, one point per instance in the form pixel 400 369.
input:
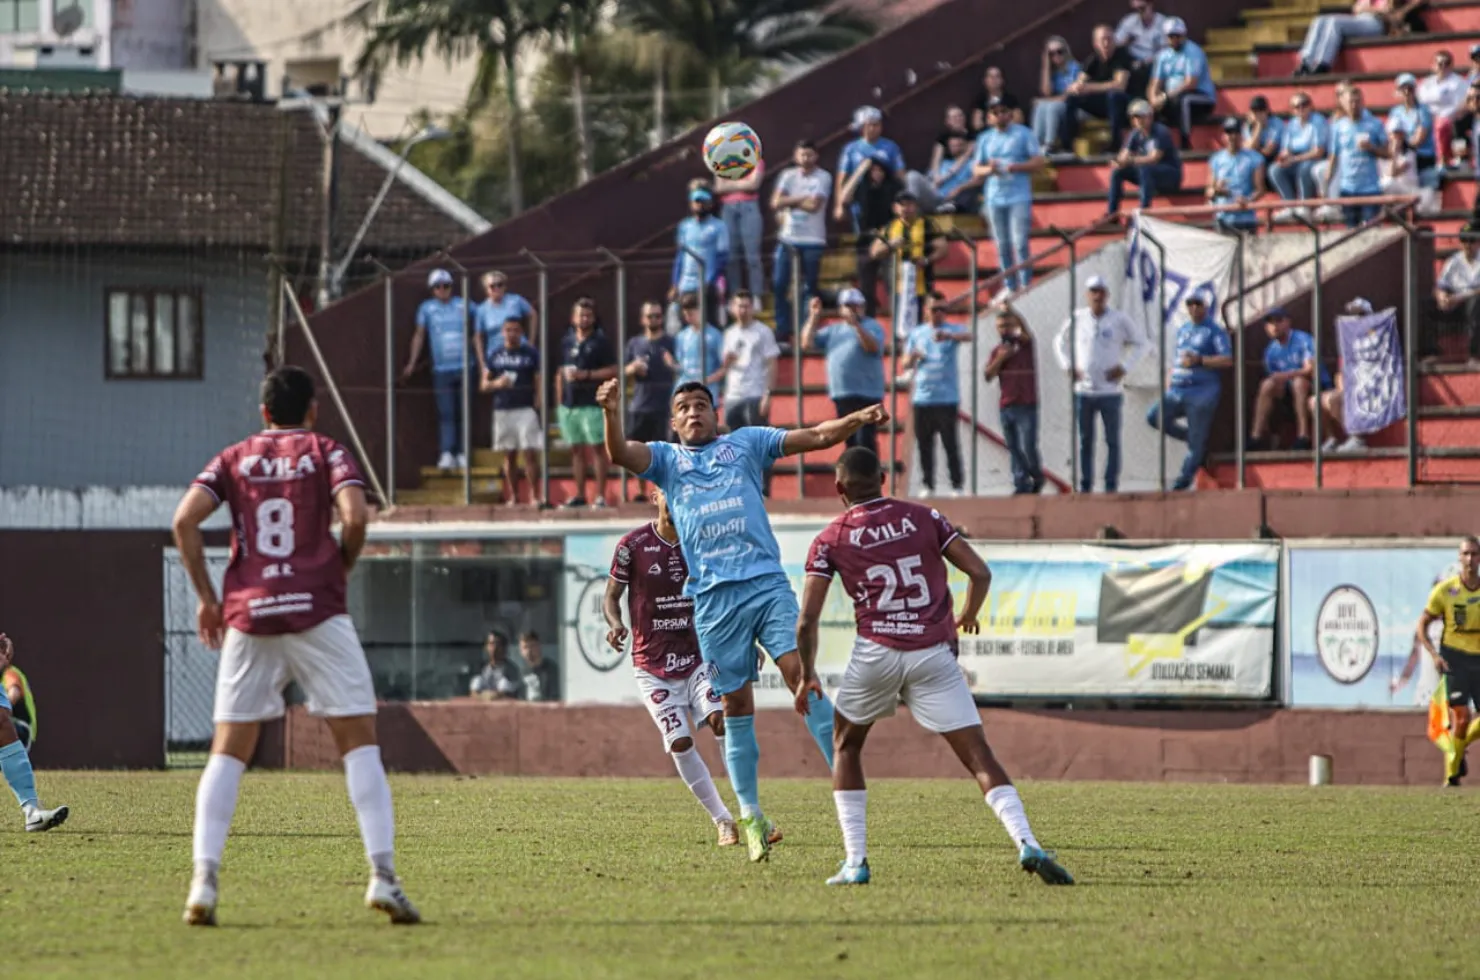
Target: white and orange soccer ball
pixel 732 150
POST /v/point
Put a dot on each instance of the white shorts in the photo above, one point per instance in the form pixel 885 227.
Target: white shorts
pixel 516 428
pixel 929 682
pixel 678 706
pixel 326 661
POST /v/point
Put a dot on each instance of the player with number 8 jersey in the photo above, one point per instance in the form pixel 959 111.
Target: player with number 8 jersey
pixel 283 618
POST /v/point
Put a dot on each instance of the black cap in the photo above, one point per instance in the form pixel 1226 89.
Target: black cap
pixel 1475 51
pixel 995 102
pixel 1231 125
pixel 1259 104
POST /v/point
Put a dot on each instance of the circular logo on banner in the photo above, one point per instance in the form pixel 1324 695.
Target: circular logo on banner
pixel 1346 634
pixel 590 627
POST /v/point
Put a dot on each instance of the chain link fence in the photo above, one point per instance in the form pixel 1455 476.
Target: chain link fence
pixel 189 667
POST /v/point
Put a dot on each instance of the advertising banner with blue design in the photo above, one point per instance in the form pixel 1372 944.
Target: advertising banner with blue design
pixel 1062 619
pixel 1352 616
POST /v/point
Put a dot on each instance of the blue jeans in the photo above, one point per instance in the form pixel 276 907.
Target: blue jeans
pixel 1048 122
pixel 447 385
pixel 1152 178
pixel 1237 220
pixel 1020 431
pixel 1326 33
pixel 1189 419
pixel 1012 224
pixel 1356 215
pixel 811 260
pixel 1108 408
pixel 743 223
pixel 1295 181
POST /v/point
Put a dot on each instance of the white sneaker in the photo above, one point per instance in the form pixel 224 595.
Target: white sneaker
pixel 1284 216
pixel 1352 445
pixel 926 493
pixel 956 492
pixel 200 907
pixel 1004 295
pixel 38 819
pixel 1302 212
pixel 445 462
pixel 385 895
pixel 1330 444
pixel 460 462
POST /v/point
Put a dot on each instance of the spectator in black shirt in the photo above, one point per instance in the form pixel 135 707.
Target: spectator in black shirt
pixel 1101 89
pixel 653 366
pixel 994 86
pixel 956 125
pixel 587 360
pixel 873 188
pixel 541 675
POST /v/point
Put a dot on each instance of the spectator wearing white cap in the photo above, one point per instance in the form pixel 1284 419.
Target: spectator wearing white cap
pixel 1181 88
pixel 1416 124
pixel 442 326
pixel 871 144
pixel 1328 32
pixel 1149 159
pixel 1443 94
pixel 1099 347
pixel 1142 32
pixel 855 359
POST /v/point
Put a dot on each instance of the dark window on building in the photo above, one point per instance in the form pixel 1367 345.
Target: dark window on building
pixel 153 333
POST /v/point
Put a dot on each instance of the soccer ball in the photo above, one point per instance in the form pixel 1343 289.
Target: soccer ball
pixel 732 150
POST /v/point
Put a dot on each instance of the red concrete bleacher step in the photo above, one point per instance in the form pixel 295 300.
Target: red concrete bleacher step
pixel 1351 471
pixel 1449 386
pixel 1413 52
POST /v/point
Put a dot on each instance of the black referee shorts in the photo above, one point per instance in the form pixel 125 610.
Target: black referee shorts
pixel 1462 680
pixel 649 426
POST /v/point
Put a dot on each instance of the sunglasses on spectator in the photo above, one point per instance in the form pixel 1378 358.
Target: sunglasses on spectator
pixel 442 285
pixel 652 316
pixel 1057 52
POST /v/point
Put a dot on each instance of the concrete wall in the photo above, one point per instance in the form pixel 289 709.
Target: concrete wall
pixel 64 424
pixel 1251 746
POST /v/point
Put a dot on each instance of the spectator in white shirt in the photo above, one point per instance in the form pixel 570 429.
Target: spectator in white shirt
pixel 750 354
pixel 1457 292
pixel 1143 33
pixel 1443 94
pixel 1106 345
pixel 800 203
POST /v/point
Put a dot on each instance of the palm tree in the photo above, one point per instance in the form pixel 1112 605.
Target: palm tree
pixel 494 31
pixel 733 35
pixel 575 25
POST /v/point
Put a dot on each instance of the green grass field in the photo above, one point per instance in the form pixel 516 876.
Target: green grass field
pixel 598 878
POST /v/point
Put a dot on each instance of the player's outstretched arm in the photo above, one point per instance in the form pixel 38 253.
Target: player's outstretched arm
pixel 635 457
pixel 814 598
pixel 961 554
pixel 832 432
pixel 354 517
pixel 194 508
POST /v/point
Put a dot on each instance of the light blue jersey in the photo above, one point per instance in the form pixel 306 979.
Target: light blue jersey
pixel 1356 169
pixel 1302 137
pixel 1409 121
pixel 1175 67
pixel 1236 171
pixel 938 375
pixel 686 344
pixel 1015 144
pixel 707 237
pixel 445 322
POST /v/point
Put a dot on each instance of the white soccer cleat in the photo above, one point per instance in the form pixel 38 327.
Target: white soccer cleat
pixel 38 819
pixel 385 895
pixel 728 834
pixel 200 907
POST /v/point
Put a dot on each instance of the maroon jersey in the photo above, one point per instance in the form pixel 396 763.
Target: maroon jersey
pixel 664 643
pixel 888 553
pixel 285 574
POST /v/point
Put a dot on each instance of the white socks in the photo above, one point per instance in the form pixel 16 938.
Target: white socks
pixel 1008 806
pixel 371 796
pixel 852 810
pixel 215 802
pixel 695 774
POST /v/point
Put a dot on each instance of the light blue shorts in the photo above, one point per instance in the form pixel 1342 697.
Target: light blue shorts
pixel 733 618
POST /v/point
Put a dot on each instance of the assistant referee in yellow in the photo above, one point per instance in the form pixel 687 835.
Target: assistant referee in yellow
pixel 1456 602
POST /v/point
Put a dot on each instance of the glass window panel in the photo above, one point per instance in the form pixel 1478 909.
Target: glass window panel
pixel 117 330
pixel 164 333
pixel 138 333
pixel 188 334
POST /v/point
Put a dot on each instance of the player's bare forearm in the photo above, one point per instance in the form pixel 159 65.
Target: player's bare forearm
pixel 611 603
pixel 635 457
pixel 354 518
pixel 827 434
pixel 194 508
pixel 979 577
pixel 1422 635
pixel 814 598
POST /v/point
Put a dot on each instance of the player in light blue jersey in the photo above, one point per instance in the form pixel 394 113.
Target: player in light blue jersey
pixel 742 596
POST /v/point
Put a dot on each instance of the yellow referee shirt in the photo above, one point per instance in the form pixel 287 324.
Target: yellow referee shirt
pixel 1459 607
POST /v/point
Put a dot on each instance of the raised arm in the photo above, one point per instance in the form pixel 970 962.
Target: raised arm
pixel 635 457
pixel 195 507
pixel 961 554
pixel 814 599
pixel 829 433
pixel 354 517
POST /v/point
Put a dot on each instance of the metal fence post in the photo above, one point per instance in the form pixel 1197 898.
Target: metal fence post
pixel 466 408
pixel 621 349
pixel 1410 348
pixel 390 380
pixel 1240 400
pixel 794 256
pixel 543 271
pixel 896 310
pixel 703 317
pixel 973 311
pixel 1315 329
pixel 1161 352
pixel 1074 481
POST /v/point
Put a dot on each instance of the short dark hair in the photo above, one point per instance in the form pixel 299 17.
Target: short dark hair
pixel 287 393
pixel 742 294
pixel 689 301
pixel 518 320
pixel 806 145
pixel 689 386
pixel 530 635
pixel 860 464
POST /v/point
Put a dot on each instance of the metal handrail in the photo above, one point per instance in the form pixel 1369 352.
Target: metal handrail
pixel 388 280
pixel 1070 242
pixel 467 382
pixel 544 313
pixel 621 351
pixel 794 256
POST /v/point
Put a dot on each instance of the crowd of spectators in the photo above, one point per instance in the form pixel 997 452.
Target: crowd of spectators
pixel 529 676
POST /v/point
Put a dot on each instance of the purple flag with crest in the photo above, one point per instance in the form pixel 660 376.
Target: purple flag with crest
pixel 1371 371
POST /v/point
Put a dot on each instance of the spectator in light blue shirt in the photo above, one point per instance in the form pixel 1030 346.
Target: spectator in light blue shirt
pixel 1057 72
pixel 1264 132
pixel 1358 141
pixel 1289 367
pixel 1416 123
pixel 700 356
pixel 931 352
pixel 955 180
pixel 1235 176
pixel 1181 89
pixel 701 234
pixel 855 359
pixel 442 326
pixel 489 318
pixel 871 144
pixel 1190 402
pixel 1293 172
pixel 1007 156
